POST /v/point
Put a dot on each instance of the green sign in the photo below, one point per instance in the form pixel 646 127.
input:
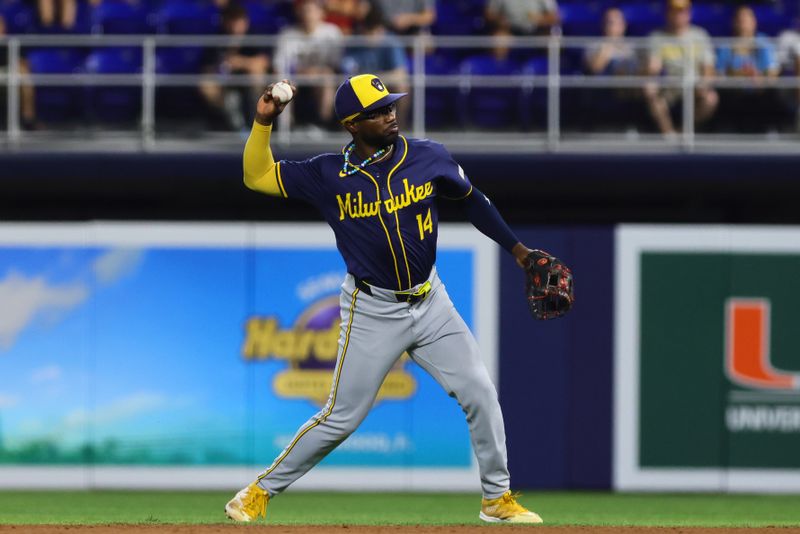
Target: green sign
pixel 708 359
pixel 700 406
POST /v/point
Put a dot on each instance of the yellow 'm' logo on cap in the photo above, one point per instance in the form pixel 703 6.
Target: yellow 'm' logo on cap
pixel 368 89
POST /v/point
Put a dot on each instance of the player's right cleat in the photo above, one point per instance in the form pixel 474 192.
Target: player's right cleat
pixel 248 504
pixel 506 509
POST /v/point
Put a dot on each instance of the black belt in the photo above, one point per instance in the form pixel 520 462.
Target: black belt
pixel 401 296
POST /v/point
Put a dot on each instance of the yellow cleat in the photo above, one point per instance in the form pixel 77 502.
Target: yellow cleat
pixel 248 504
pixel 506 509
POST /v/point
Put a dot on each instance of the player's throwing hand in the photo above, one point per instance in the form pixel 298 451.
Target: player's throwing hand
pixel 270 106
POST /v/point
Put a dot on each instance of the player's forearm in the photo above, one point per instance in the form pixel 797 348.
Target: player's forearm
pixel 260 172
pixel 485 217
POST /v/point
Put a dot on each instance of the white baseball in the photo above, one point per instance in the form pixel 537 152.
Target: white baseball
pixel 283 92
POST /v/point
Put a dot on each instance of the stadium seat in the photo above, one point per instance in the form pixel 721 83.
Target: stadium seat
pixel 81 25
pixel 19 16
pixel 581 18
pixel 118 17
pixel 267 17
pixel 494 108
pixel 83 18
pixel 179 60
pixel 441 108
pixel 642 17
pixel 771 19
pixel 459 17
pixel 114 104
pixel 57 104
pixel 533 100
pixel 715 18
pixel 186 18
pixel 176 102
pixel 55 61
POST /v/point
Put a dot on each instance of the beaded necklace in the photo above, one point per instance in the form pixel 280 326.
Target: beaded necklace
pixel 377 156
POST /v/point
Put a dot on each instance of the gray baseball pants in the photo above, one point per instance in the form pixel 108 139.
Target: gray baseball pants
pixel 375 331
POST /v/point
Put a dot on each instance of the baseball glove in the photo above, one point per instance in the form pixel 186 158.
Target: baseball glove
pixel 548 285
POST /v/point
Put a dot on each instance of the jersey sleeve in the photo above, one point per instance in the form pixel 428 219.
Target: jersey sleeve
pixel 300 179
pixel 451 183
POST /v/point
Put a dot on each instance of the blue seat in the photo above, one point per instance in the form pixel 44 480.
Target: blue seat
pixel 118 17
pixel 57 104
pixel 642 17
pixel 178 102
pixel 186 18
pixel 179 60
pixel 81 25
pixel 267 17
pixel 581 18
pixel 441 109
pixel 533 101
pixel 115 60
pixel 19 16
pixel 83 18
pixel 114 104
pixel 55 60
pixel 459 17
pixel 715 18
pixel 494 108
pixel 772 19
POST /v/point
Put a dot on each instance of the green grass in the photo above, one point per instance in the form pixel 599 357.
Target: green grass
pixel 572 508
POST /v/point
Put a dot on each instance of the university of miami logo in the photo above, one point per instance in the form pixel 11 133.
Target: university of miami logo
pixel 748 360
pixel 310 348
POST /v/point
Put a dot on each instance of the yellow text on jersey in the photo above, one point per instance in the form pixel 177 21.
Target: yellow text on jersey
pixel 354 207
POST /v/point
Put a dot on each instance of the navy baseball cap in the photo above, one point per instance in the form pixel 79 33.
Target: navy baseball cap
pixel 362 93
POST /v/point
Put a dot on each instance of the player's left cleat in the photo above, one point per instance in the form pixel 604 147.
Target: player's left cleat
pixel 506 509
pixel 248 504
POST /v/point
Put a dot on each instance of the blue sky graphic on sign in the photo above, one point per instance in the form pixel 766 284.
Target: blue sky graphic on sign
pixel 138 356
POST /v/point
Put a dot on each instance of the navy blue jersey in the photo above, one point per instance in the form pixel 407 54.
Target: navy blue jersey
pixel 384 216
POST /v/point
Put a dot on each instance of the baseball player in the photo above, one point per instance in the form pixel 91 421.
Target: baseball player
pixel 380 197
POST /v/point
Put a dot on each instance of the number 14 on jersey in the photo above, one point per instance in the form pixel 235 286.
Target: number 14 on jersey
pixel 424 225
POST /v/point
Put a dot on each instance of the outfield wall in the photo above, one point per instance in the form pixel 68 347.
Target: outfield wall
pixel 650 383
pixel 171 355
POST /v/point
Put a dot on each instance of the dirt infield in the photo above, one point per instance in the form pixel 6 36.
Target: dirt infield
pixel 345 529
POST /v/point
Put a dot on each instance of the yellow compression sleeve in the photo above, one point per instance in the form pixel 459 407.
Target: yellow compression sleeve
pixel 260 170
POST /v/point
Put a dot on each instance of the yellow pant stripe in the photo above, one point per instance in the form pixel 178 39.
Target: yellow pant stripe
pixel 329 411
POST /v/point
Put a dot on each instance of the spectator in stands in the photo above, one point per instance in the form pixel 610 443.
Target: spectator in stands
pixel 311 47
pixel 789 59
pixel 667 49
pixel 383 56
pixel 57 14
pixel 751 56
pixel 27 99
pixel 611 56
pixel 232 108
pixel 407 17
pixel 522 17
pixel 346 14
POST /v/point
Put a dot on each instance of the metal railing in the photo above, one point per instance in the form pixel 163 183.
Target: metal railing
pixel 552 131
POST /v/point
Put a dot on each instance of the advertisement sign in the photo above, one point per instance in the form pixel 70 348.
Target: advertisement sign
pixel 131 352
pixel 707 386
